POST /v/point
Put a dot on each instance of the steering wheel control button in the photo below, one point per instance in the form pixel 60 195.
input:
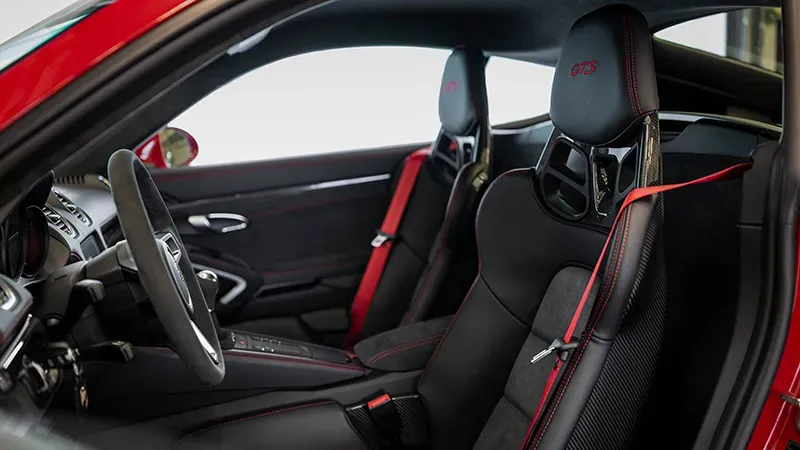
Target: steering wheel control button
pixel 172 245
pixel 171 254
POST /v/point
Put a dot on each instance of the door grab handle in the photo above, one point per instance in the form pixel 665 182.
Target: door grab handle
pixel 220 223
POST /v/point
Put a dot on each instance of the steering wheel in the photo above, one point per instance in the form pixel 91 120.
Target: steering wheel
pixel 164 267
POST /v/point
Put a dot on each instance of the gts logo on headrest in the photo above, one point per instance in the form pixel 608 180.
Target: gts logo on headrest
pixel 583 68
pixel 450 86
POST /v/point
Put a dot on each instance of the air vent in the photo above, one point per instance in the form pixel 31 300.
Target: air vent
pixel 57 221
pixel 74 210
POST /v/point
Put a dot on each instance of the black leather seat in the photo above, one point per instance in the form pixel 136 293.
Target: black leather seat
pixel 539 233
pixel 427 257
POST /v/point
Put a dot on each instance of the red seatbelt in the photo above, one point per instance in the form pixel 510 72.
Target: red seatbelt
pixel 383 245
pixel 633 196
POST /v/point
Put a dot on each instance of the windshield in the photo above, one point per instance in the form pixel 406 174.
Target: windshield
pixel 29 40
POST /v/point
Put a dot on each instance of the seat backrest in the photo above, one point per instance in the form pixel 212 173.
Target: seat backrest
pixel 445 193
pixel 539 233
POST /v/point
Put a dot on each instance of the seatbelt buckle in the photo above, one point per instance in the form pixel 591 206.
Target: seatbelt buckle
pixel 381 238
pixel 383 413
pixel 559 347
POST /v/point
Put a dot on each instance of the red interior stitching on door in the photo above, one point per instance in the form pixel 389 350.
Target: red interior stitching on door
pixel 313 205
pixel 265 166
pixel 346 261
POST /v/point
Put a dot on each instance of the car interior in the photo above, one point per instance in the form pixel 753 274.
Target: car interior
pixel 495 288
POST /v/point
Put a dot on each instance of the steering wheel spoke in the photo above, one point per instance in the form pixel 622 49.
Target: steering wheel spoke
pixel 204 342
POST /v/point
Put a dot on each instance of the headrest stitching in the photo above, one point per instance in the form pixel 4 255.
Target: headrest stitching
pixel 633 61
pixel 627 57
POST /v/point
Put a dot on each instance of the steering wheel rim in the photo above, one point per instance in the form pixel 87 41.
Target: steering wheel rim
pixel 164 268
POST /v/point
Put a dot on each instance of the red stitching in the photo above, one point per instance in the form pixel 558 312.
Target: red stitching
pixel 346 260
pixel 264 414
pixel 293 360
pixel 288 209
pixel 450 325
pixel 402 347
pixel 627 69
pixel 593 325
pixel 614 252
pixel 216 261
pixel 411 309
pixel 633 60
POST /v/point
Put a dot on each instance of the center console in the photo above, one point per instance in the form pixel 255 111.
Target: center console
pixel 237 340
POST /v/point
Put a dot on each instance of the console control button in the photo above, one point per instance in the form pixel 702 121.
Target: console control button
pixel 240 342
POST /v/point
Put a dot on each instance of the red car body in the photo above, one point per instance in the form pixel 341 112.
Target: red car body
pixel 35 78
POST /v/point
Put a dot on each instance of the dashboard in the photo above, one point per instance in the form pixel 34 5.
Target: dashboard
pixel 56 223
pixel 59 222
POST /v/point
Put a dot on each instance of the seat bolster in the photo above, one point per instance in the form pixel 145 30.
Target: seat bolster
pixel 467 189
pixel 609 375
pixel 626 270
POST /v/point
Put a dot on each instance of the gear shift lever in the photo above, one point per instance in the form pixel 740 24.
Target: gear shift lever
pixel 209 284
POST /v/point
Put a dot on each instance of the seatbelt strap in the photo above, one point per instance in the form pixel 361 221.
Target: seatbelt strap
pixel 564 344
pixel 382 245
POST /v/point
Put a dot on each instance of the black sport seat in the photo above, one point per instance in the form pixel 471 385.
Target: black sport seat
pixel 427 257
pixel 539 233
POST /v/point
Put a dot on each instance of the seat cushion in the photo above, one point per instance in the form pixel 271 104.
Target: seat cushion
pixel 309 426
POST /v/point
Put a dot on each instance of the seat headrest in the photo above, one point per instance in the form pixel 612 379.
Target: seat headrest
pixel 605 79
pixel 462 96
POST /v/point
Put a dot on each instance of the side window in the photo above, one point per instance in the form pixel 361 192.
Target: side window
pixel 752 36
pixel 321 102
pixel 517 90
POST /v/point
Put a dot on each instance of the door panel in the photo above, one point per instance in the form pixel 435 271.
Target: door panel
pixel 295 267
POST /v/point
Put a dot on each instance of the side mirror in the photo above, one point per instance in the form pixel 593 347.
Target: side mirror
pixel 170 147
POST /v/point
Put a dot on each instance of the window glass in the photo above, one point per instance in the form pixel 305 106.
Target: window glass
pixel 752 36
pixel 517 89
pixel 321 102
pixel 346 99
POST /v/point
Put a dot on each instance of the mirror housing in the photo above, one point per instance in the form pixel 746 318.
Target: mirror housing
pixel 170 147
